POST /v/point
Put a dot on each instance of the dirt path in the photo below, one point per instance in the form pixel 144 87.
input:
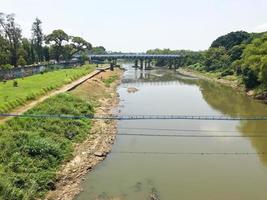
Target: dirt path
pixel 65 88
pixel 97 146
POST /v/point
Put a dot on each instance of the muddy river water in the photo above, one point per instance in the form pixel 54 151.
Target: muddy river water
pixel 172 168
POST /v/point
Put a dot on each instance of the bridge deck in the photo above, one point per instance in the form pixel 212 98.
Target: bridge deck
pixel 133 56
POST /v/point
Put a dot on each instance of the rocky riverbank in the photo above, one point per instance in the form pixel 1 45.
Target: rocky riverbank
pixel 94 149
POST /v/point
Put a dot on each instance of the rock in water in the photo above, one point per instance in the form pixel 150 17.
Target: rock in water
pixel 132 90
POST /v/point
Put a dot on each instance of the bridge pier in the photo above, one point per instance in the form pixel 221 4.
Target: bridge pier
pixel 141 63
pixel 149 64
pixel 136 63
pixel 112 63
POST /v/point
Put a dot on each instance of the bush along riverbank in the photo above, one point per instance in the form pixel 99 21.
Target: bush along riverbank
pixel 41 155
pixel 14 93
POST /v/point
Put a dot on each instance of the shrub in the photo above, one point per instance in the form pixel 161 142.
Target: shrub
pixel 15 83
pixel 250 79
pixel 227 72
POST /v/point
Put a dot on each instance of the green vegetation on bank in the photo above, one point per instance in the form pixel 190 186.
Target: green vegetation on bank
pixel 237 55
pixel 33 149
pixel 14 93
pixel 110 80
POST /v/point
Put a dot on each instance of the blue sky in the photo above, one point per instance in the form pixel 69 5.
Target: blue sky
pixel 138 25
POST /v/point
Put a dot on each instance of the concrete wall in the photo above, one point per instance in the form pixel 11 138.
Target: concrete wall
pixel 19 72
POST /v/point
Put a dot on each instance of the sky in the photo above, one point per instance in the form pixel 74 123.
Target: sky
pixel 139 25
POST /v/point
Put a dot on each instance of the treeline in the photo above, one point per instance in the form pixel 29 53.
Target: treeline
pixel 16 50
pixel 241 54
pixel 187 57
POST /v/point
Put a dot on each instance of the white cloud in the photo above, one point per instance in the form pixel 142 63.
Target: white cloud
pixel 261 28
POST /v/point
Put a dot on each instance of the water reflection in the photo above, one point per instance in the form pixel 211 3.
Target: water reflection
pixel 228 102
pixel 190 177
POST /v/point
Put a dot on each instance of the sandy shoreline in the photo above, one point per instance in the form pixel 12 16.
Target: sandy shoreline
pixel 92 151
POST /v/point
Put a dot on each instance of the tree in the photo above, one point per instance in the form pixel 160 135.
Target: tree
pixel 216 58
pixel 13 34
pixel 4 51
pixel 231 39
pixel 236 52
pixel 78 44
pixel 37 36
pixel 57 39
pixel 27 51
pixel 46 53
pixel 21 61
pixel 98 50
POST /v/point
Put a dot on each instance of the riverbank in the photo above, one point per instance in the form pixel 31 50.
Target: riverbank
pixel 96 147
pixel 232 82
pixel 18 93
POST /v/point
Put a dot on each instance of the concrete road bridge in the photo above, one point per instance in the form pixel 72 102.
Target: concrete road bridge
pixel 143 59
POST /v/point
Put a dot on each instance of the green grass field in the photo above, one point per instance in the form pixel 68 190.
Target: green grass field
pixel 31 150
pixel 29 88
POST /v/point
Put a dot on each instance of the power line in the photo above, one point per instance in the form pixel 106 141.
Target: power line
pixel 137 117
pixel 190 153
pixel 190 135
pixel 185 130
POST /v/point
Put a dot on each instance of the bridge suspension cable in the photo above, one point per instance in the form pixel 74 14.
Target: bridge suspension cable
pixel 191 135
pixel 137 117
pixel 192 153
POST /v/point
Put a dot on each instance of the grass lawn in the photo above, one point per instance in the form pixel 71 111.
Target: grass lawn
pixel 29 88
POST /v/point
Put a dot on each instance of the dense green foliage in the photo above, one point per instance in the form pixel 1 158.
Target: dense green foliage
pixel 18 51
pixel 33 149
pixel 241 54
pixel 187 57
pixel 29 88
pixel 231 39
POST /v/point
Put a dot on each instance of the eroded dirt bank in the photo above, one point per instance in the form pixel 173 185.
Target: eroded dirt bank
pixel 96 147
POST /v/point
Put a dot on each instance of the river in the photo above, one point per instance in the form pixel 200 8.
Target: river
pixel 191 174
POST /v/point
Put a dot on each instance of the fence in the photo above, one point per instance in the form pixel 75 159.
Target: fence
pixel 19 72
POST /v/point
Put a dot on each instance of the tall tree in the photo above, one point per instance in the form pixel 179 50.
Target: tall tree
pixel 13 34
pixel 231 39
pixel 4 51
pixel 38 37
pixel 57 39
pixel 79 44
pixel 27 51
pixel 98 50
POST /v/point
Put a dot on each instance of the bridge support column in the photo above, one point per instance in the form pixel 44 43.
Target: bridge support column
pixel 146 64
pixel 136 63
pixel 141 63
pixel 111 66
